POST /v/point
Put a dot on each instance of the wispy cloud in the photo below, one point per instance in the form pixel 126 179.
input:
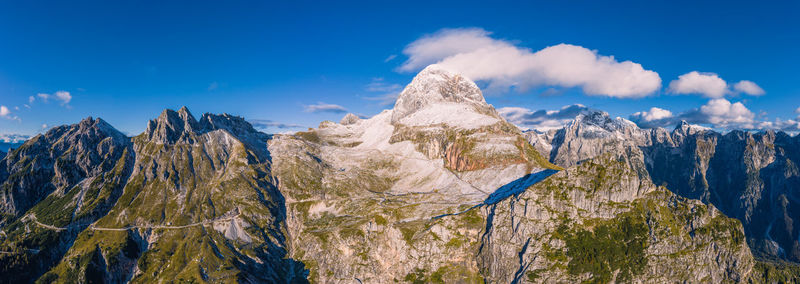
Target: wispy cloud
pixel 325 107
pixel 390 58
pixel 213 86
pixel 42 96
pixel 381 86
pixel 388 91
pixel 542 120
pixel 266 123
pixel 476 55
pixel 63 96
pixel 383 100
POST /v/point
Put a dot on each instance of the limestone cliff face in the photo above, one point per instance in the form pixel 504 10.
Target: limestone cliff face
pixel 439 189
pixel 749 176
pixel 602 222
pixel 67 178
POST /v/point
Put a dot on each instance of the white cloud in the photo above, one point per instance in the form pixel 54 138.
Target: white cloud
pixel 43 96
pixel 748 87
pixel 6 113
pixel 324 107
pixel 653 114
pixel 63 96
pixel 13 138
pixel 44 126
pixel 720 113
pixel 477 56
pixel 390 58
pixel 797 111
pixel 709 85
pixel 542 120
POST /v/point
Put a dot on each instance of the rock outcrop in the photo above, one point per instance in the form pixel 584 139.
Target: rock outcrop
pixel 751 176
pixel 438 189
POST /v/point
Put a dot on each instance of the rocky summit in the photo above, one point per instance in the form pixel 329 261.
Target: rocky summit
pixel 438 189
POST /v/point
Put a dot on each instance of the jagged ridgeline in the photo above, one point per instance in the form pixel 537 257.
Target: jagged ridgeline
pixel 187 200
pixel 751 176
pixel 438 189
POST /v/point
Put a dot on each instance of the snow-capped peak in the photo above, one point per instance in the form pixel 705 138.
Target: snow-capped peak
pixel 438 95
pixel 433 85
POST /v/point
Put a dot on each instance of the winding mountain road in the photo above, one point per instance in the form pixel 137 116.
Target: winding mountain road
pixel 92 227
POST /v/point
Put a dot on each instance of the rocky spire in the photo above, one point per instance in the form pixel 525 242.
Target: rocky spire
pixel 172 126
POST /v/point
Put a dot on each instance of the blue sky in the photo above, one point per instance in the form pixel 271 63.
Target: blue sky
pixel 289 63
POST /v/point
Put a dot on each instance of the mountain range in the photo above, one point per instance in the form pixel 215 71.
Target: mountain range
pixel 438 189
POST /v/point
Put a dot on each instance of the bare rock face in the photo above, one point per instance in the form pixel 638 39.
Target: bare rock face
pixel 66 178
pixel 438 189
pixel 58 160
pixel 349 119
pixel 601 221
pixel 172 126
pixel 750 176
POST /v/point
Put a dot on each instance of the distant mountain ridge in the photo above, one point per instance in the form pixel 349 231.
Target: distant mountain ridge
pixel 751 176
pixel 440 188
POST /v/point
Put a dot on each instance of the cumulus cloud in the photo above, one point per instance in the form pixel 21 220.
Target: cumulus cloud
pixel 325 107
pixel 63 96
pixel 503 65
pixel 542 120
pixel 748 87
pixel 707 84
pixel 720 113
pixel 710 85
pixel 653 114
pixel 723 113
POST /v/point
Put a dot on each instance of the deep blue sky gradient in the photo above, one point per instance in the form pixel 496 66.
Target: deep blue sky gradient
pixel 125 61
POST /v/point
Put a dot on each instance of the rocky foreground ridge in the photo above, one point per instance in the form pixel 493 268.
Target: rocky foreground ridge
pixel 438 189
pixel 750 176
